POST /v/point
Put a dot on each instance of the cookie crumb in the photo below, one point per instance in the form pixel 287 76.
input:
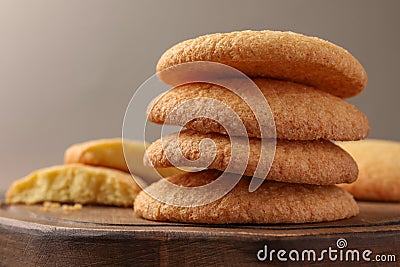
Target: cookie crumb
pixel 76 206
pixel 47 205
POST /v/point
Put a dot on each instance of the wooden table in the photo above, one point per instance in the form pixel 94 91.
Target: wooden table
pixel 98 236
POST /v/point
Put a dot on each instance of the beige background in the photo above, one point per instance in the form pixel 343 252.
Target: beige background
pixel 69 68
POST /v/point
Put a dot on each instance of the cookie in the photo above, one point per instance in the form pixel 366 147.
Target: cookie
pixel 300 112
pixel 311 162
pixel 110 153
pixel 272 54
pixel 75 183
pixel 273 202
pixel 379 170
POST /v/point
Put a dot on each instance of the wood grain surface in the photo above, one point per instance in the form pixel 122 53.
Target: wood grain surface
pixel 104 236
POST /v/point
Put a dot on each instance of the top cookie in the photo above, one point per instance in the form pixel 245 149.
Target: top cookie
pixel 273 54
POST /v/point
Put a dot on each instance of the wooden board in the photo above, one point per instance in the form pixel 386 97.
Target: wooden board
pixel 98 236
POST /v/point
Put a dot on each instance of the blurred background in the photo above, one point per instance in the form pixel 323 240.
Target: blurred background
pixel 68 68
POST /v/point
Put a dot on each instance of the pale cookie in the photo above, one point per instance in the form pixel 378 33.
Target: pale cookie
pixel 300 112
pixel 110 153
pixel 273 54
pixel 379 170
pixel 75 183
pixel 273 202
pixel 310 162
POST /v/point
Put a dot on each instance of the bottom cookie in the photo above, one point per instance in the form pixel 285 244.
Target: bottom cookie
pixel 274 202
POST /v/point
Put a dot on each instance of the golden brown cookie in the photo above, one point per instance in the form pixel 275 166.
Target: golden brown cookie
pixel 110 153
pixel 273 202
pixel 273 54
pixel 75 183
pixel 379 170
pixel 310 162
pixel 300 112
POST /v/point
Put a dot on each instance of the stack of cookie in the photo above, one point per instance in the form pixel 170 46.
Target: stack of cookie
pixel 304 80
